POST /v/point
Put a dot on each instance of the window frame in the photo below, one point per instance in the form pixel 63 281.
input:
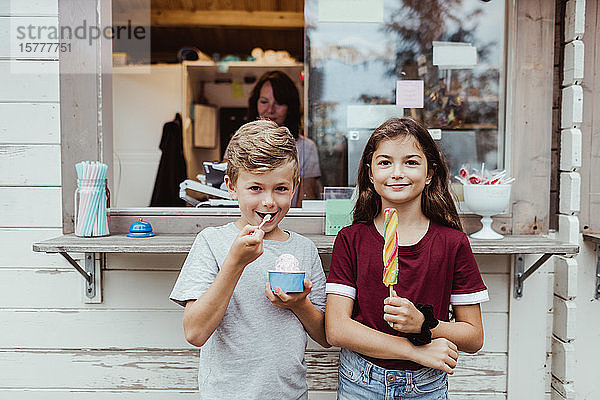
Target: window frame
pixel 86 115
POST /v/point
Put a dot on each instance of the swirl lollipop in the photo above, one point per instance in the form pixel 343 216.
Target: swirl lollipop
pixel 390 248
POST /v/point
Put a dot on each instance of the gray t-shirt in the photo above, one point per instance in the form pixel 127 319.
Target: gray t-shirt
pixel 257 351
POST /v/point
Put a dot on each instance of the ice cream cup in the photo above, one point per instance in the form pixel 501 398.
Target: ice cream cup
pixel 289 282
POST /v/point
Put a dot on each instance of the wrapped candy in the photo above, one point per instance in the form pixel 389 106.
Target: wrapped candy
pixel 466 176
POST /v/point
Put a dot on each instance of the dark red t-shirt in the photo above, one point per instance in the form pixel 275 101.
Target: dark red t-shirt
pixel 440 269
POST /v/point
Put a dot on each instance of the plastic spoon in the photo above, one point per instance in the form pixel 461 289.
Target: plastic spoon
pixel 266 219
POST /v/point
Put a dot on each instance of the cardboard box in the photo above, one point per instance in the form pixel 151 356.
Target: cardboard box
pixel 205 126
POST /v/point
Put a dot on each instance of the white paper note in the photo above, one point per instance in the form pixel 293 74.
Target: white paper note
pixel 351 11
pixel 409 93
pixel 454 55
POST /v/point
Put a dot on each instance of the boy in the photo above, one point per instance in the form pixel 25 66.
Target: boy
pixel 252 339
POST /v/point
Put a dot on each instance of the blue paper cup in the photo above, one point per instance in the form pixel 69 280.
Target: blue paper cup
pixel 289 282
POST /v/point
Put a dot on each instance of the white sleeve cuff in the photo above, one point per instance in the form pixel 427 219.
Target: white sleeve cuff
pixel 469 298
pixel 338 288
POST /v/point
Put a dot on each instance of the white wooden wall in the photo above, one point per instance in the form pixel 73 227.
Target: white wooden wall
pixel 30 191
pixel 54 346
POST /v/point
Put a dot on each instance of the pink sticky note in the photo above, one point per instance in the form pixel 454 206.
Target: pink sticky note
pixel 409 94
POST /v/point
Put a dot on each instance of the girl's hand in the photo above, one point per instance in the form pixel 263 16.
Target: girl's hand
pixel 246 247
pixel 402 315
pixel 288 300
pixel 439 354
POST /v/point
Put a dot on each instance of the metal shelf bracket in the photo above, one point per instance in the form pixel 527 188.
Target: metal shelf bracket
pixel 88 272
pixel 521 274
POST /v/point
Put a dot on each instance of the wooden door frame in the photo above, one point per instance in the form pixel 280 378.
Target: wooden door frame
pixel 85 99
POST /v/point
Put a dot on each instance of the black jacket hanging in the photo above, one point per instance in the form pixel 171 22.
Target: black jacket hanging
pixel 171 169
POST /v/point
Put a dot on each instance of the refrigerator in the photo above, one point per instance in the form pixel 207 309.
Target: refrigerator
pixel 361 121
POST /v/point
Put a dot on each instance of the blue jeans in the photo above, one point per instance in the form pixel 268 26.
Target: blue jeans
pixel 359 379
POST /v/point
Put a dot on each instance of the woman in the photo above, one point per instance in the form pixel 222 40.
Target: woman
pixel 276 98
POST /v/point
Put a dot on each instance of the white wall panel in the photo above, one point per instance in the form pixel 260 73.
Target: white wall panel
pixel 493 264
pixel 166 262
pixel 30 165
pixel 495 327
pixel 47 289
pixel 528 321
pixel 16 251
pixel 134 328
pixel 498 288
pixel 15 33
pixel 108 328
pixel 22 207
pixel 29 7
pixel 481 373
pixel 30 123
pixel 29 81
pixel 177 370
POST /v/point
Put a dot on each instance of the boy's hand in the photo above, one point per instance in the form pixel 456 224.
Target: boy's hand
pixel 247 246
pixel 440 354
pixel 288 300
pixel 402 315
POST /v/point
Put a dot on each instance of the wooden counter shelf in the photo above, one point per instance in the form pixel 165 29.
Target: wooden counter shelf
pixel 181 243
pixel 95 248
pixel 592 237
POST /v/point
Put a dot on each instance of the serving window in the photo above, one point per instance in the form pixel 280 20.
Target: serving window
pixel 484 66
pixel 364 65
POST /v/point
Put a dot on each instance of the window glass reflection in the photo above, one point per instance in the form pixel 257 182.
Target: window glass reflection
pixel 456 47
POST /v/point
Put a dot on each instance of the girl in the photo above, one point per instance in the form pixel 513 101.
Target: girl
pixel 403 345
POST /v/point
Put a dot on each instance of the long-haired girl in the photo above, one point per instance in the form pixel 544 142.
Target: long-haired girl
pixel 403 344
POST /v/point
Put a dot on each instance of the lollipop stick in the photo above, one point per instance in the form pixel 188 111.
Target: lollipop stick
pixel 391 291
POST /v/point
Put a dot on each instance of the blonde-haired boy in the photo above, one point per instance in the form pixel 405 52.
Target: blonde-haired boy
pixel 252 339
pixel 261 146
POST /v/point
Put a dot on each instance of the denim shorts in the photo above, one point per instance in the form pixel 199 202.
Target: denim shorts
pixel 359 379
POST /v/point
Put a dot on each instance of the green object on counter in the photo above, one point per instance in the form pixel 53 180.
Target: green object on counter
pixel 338 214
pixel 237 90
